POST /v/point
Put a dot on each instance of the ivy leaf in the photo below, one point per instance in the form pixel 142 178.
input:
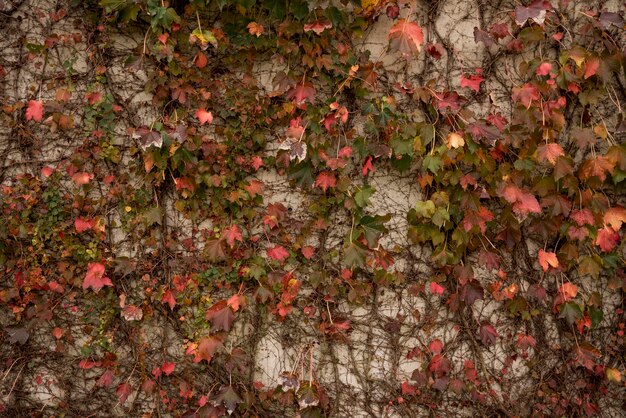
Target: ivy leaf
pixel 526 94
pixel 454 140
pixel 362 196
pixel 571 312
pixel 34 110
pixel 607 239
pixel 123 392
pixel 488 334
pixel 326 180
pixel 214 250
pixel 536 11
pixel 232 234
pixel 207 347
pixel 228 397
pixel 406 37
pixel 221 315
pixel 278 252
pixel 547 260
pixel 373 228
pixel 597 167
pixel 204 116
pixel 302 92
pixel 614 217
pixel 354 255
pixel 17 335
pixel 168 368
pixel 472 82
pixel 81 224
pixel 318 26
pixel 523 202
pixel 471 292
pixel 95 277
pixel 550 152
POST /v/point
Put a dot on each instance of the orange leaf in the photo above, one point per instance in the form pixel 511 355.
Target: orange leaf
pixel 547 259
pixel 615 217
pixel 406 37
pixel 568 290
pixel 550 152
pixel 255 29
pixel 204 116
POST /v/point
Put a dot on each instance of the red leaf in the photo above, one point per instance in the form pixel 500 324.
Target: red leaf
pixel 325 180
pixel 523 341
pixel 439 364
pixel 168 368
pixel 254 188
pixel 607 239
pixel 95 277
pixel 318 26
pixel 232 234
pixel 257 162
pixel 436 288
pixel 544 69
pixel 526 94
pixel 435 346
pixel 221 315
pixel 106 379
pixel 201 60
pixel 473 82
pixel 168 297
pixel 47 171
pixel 406 37
pixel 278 252
pixel 307 251
pixel 207 347
pixel 57 333
pixel 591 67
pixel 547 260
pixel 302 92
pixel 235 301
pixel 82 224
pixel 523 202
pixel 123 391
pixel 82 178
pixel 204 116
pixel 34 110
pixel 488 334
pixel 367 167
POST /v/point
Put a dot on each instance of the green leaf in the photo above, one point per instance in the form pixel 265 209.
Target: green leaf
pixel 596 316
pixel 354 255
pixel 299 9
pixel 425 209
pixel 112 5
pixel 440 217
pixel 432 163
pixel 276 8
pixel 129 13
pixel 302 174
pixel 373 228
pixel 571 312
pixel 154 215
pixel 362 196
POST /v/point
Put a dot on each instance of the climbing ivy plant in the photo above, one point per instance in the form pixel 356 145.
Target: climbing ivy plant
pixel 521 202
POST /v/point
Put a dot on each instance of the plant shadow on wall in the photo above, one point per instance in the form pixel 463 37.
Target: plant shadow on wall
pixel 264 208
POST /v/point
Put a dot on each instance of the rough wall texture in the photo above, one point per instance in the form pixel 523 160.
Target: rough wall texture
pixel 392 319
